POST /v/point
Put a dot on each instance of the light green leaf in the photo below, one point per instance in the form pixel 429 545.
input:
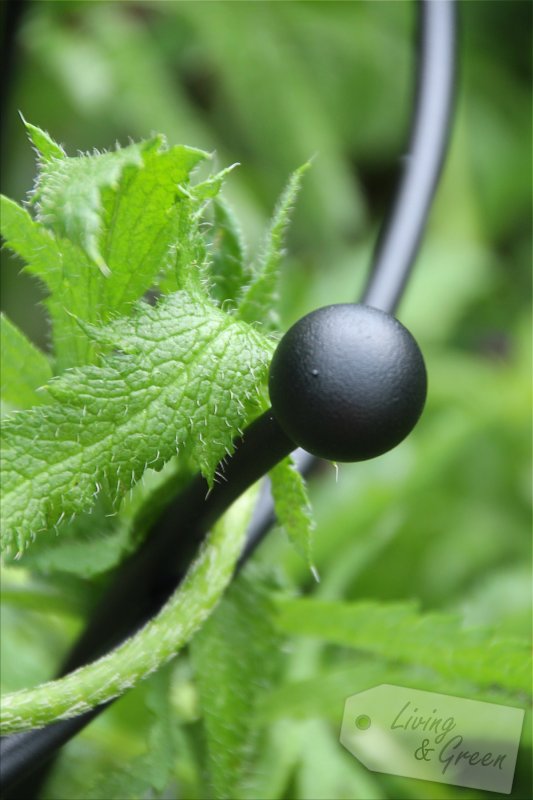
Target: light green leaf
pixel 192 261
pixel 228 271
pixel 72 280
pixel 124 211
pixel 186 378
pixel 324 772
pixel 68 195
pixel 259 298
pixel 208 189
pixel 292 507
pixel 24 367
pixel 46 148
pixel 30 645
pixel 95 542
pixel 235 658
pixel 321 696
pixel 42 598
pixel 143 219
pixel 189 253
pixel 277 761
pixel 399 632
pixel 151 770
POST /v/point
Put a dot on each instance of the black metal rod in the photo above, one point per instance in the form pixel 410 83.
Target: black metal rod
pixel 160 563
pixel 400 236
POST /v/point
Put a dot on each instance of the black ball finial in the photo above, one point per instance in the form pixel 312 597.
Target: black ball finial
pixel 347 382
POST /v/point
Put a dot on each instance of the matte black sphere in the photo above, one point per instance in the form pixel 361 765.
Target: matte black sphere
pixel 347 382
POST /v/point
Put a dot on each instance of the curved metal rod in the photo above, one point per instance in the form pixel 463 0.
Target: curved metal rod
pixel 400 236
pixel 24 753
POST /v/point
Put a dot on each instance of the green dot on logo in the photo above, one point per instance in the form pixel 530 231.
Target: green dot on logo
pixel 363 722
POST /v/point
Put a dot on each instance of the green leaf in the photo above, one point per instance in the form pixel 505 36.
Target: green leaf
pixel 193 264
pixel 235 658
pixel 324 772
pixel 68 274
pixel 228 271
pixel 46 148
pixel 24 367
pixel 30 645
pixel 259 299
pixel 398 631
pixel 208 189
pixel 277 761
pixel 292 507
pixel 44 599
pixel 151 770
pixel 143 219
pixel 321 696
pixel 95 542
pixel 124 212
pixel 186 378
pixel 68 195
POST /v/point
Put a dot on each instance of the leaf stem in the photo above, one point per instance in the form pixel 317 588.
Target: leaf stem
pixel 140 655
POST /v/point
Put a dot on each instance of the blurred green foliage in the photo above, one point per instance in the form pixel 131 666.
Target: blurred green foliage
pixel 445 519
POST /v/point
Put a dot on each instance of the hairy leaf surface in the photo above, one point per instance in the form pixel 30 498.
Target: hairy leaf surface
pixel 235 657
pixel 24 367
pixel 259 298
pixel 292 507
pixel 107 227
pixel 170 388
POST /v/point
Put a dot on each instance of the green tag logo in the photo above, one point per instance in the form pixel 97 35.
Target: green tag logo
pixel 433 737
